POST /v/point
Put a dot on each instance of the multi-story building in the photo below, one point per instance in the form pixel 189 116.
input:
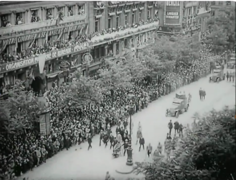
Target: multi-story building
pixel 118 26
pixel 47 40
pixel 210 8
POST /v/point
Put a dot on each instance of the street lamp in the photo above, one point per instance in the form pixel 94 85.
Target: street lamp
pixel 129 150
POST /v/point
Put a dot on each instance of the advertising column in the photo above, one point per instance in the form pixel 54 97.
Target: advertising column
pixel 172 13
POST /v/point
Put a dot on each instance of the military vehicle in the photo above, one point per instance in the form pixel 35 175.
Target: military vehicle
pixel 218 74
pixel 179 105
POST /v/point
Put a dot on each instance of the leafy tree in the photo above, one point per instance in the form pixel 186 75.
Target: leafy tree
pixel 19 112
pixel 221 28
pixel 207 151
pixel 83 90
pixel 114 75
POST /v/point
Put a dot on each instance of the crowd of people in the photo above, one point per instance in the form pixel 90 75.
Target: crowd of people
pixel 35 50
pixel 72 124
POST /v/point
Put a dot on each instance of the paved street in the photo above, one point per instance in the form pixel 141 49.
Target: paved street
pixel 93 164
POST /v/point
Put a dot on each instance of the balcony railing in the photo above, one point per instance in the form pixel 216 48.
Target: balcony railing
pixel 40 24
pixel 18 64
pixel 129 31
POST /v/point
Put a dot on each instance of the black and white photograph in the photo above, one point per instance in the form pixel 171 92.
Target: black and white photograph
pixel 117 90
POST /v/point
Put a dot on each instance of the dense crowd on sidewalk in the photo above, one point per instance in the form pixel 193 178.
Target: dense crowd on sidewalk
pixel 71 124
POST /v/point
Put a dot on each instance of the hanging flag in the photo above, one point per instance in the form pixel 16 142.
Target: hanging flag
pixel 41 65
pixel 3 46
pixel 68 35
pixel 46 39
pixel 16 46
pixel 86 31
pixel 60 35
pixel 35 36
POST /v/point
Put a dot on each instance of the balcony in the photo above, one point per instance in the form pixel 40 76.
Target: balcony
pixel 18 64
pixel 39 25
pixel 99 39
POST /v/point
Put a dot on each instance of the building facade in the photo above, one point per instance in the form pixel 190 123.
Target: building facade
pixel 207 9
pixel 48 40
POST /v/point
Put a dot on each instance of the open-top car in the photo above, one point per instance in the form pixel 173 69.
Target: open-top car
pixel 179 105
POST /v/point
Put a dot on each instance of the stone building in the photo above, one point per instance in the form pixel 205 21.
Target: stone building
pixel 49 40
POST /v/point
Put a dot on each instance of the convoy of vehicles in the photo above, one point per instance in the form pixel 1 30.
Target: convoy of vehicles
pixel 179 105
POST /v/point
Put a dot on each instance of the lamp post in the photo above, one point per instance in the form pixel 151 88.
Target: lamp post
pixel 129 150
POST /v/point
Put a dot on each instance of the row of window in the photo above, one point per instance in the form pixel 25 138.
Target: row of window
pixel 118 19
pixel 38 14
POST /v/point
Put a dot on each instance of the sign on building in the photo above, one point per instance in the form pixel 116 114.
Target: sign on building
pixel 172 13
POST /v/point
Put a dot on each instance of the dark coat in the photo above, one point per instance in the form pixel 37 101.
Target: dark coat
pixel 142 141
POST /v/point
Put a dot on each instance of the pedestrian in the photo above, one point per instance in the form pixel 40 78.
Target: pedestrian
pixel 149 149
pixel 227 76
pixel 112 138
pixel 126 145
pixel 159 147
pixel 105 138
pixel 141 142
pixel 200 93
pixel 170 126
pixel 180 130
pixel 203 94
pixel 89 141
pixel 139 135
pixel 176 127
pixel 101 137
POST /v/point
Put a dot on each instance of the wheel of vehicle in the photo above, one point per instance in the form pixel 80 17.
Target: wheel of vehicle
pixel 186 109
pixel 177 114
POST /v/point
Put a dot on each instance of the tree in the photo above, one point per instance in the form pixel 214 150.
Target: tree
pixel 221 28
pixel 82 91
pixel 114 75
pixel 19 112
pixel 207 151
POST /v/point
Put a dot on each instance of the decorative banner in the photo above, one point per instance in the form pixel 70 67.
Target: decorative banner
pixel 20 64
pixel 41 65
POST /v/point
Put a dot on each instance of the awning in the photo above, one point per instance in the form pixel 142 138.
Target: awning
pixel 53 75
